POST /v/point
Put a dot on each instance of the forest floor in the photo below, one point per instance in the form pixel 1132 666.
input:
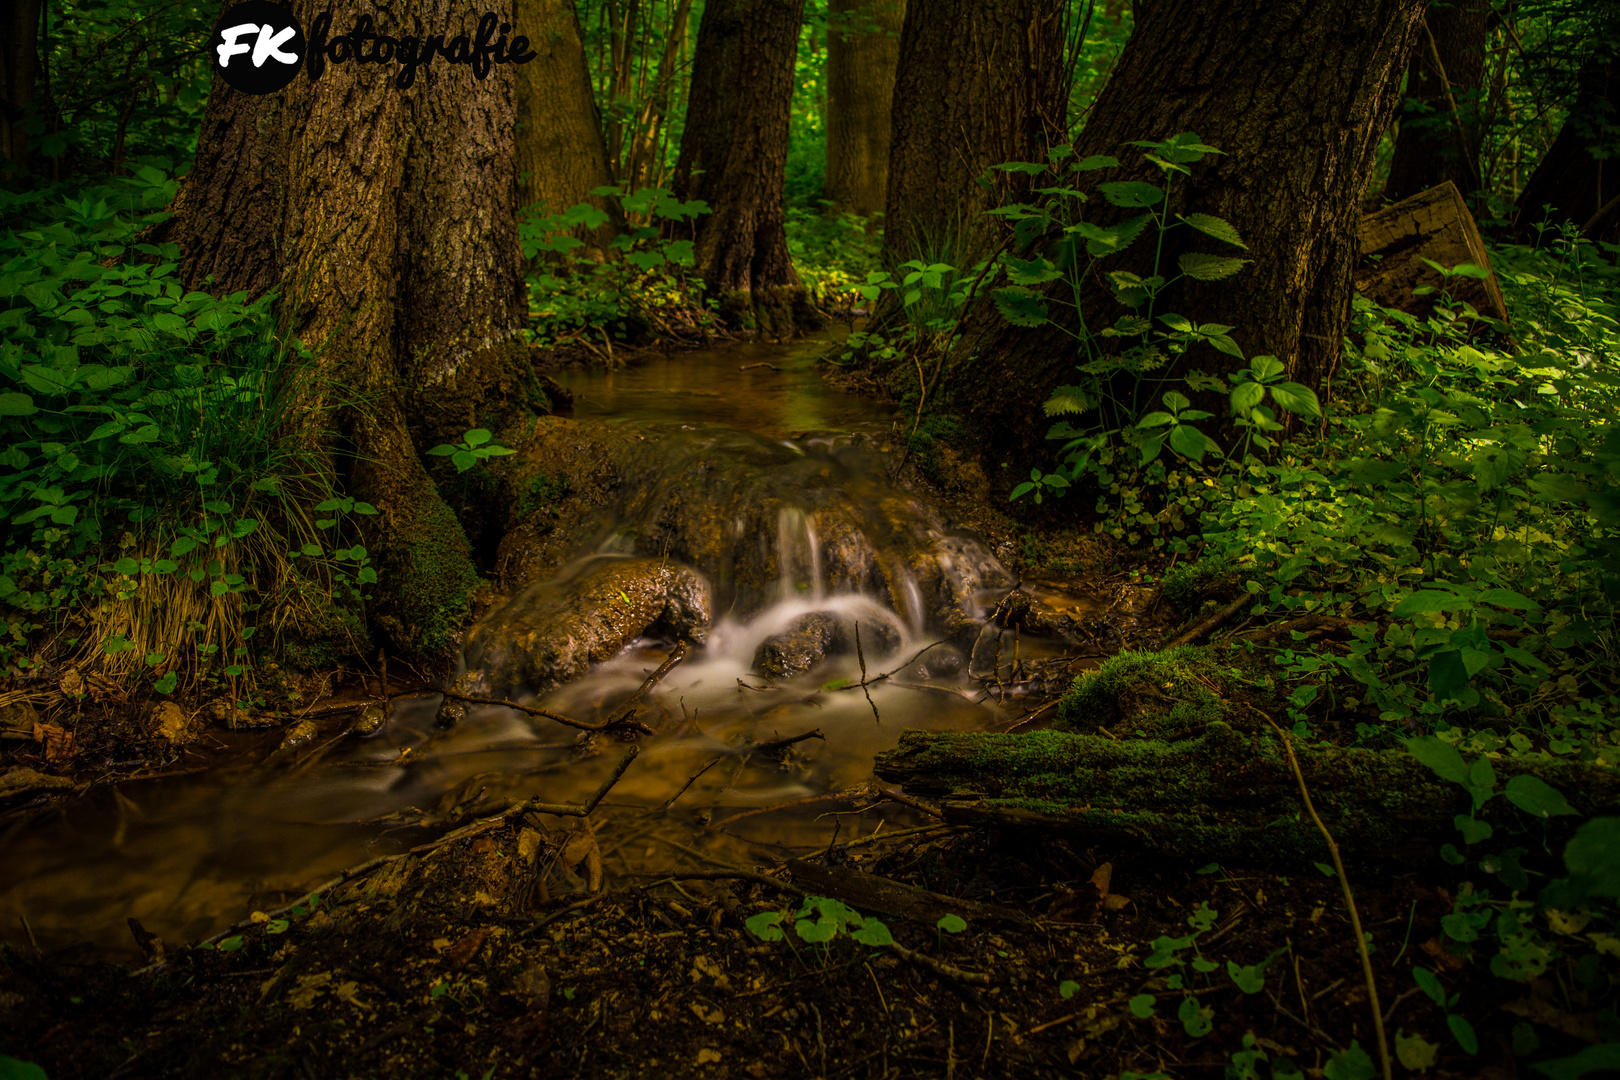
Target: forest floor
pixel 456 962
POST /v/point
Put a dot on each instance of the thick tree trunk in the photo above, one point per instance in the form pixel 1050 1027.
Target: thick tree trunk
pixel 387 217
pixel 980 82
pixel 19 67
pixel 1226 794
pixel 734 156
pixel 561 155
pixel 1297 95
pixel 1439 135
pixel 863 52
pixel 1579 177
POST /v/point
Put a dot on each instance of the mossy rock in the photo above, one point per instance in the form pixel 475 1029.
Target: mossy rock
pixel 1186 585
pixel 1162 695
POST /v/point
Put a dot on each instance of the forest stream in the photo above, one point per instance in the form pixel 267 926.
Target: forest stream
pixel 790 539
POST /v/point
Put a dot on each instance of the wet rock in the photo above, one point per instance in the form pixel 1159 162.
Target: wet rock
pixel 301 735
pixel 943 662
pixel 811 639
pixel 172 723
pixel 551 633
pixel 23 781
pixel 804 644
pixel 370 722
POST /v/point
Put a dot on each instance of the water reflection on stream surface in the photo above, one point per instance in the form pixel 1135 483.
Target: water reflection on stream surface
pixel 189 855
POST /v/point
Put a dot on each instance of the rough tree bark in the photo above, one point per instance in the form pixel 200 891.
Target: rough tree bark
pixel 734 157
pixel 561 155
pixel 1439 135
pixel 863 52
pixel 387 217
pixel 980 82
pixel 1297 94
pixel 1579 177
pixel 19 66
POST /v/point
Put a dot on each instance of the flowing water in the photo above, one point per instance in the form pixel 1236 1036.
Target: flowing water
pixel 808 525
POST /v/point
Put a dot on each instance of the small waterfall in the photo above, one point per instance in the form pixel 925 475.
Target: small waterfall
pixel 798 556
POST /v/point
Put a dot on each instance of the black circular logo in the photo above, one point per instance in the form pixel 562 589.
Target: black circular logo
pixel 257 47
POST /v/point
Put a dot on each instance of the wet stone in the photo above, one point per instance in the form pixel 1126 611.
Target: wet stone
pixel 811 639
pixel 301 735
pixel 551 633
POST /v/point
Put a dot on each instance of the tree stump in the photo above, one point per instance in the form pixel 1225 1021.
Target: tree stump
pixel 1435 225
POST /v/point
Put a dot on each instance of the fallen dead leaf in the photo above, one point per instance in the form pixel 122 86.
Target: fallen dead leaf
pixel 1437 949
pixel 465 949
pixel 708 1013
pixel 58 742
pixel 1581 1026
pixel 71 683
pixel 348 992
pixel 308 989
pixel 707 1056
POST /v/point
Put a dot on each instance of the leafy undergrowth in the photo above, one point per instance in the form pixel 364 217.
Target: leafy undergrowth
pixel 467 962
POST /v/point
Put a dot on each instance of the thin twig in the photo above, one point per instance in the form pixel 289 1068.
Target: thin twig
pixel 1349 898
pixel 690 780
pixel 535 710
pixel 865 682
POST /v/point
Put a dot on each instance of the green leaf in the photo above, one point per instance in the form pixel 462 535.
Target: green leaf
pixel 1110 239
pixel 1265 368
pixel 1141 1006
pixel 231 944
pixel 442 450
pixel 16 405
pixel 1219 228
pixel 1426 600
pixel 1195 1020
pixel 1351 1064
pixel 1246 395
pixel 1250 979
pixel 817 932
pixel 1463 1031
pixel 767 925
pixel 873 932
pixel 1020 307
pixel 477 437
pixel 1037 271
pixel 1189 442
pixel 276 926
pixel 1537 797
pixel 1297 399
pixel 1592 856
pixel 1201 267
pixel 12 1069
pixel 1068 988
pixel 1429 985
pixel 1440 756
pixel 1473 830
pixel 1507 598
pixel 952 924
pixel 1414 1051
pixel 1602 1058
pixel 1096 161
pixel 1132 193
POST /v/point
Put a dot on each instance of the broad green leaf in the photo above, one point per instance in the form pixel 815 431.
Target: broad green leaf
pixel 1068 988
pixel 1195 1020
pixel 1593 856
pixel 1219 228
pixel 1141 1006
pixel 1440 756
pixel 1132 193
pixel 1429 985
pixel 1108 240
pixel 1463 1031
pixel 1246 395
pixel 1265 368
pixel 873 932
pixel 1537 797
pixel 1507 598
pixel 1351 1064
pixel 1097 161
pixel 1473 830
pixel 1020 307
pixel 1414 1051
pixel 1036 271
pixel 1250 979
pixel 817 932
pixel 1297 399
pixel 478 437
pixel 1592 1061
pixel 1189 442
pixel 1201 267
pixel 16 405
pixel 1425 600
pixel 767 925
pixel 12 1069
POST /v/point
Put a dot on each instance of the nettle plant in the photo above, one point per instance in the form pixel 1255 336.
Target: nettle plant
pixel 1128 369
pixel 642 270
pixel 141 475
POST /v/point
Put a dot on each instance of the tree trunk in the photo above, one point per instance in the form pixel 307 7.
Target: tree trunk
pixel 1439 135
pixel 734 157
pixel 1579 177
pixel 980 82
pixel 561 156
pixel 863 52
pixel 387 216
pixel 1297 94
pixel 19 67
pixel 1227 794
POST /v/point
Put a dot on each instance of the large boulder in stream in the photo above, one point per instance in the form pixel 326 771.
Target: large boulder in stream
pixel 553 631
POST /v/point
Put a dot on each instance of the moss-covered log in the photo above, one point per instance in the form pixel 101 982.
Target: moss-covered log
pixel 1224 794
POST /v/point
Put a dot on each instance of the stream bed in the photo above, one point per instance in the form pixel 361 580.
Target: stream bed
pixel 802 547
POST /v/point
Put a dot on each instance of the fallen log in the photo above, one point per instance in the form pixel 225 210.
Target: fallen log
pixel 1224 794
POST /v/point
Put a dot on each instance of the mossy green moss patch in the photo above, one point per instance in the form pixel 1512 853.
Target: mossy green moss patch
pixel 1169 694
